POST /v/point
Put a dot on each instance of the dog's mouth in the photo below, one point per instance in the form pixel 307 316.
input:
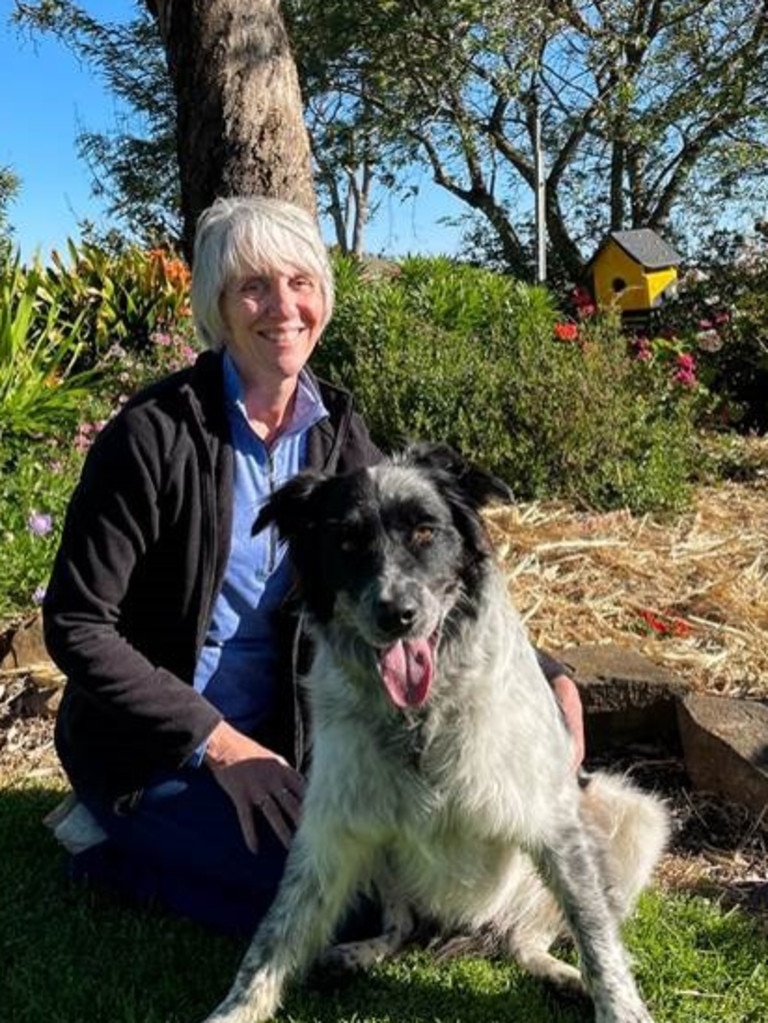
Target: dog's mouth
pixel 407 669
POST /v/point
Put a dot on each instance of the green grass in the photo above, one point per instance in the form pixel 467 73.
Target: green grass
pixel 71 955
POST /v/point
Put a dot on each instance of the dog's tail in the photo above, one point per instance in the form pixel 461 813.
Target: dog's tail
pixel 632 829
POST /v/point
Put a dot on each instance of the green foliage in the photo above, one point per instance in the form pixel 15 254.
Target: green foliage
pixel 36 482
pixel 447 352
pixel 123 297
pixel 39 345
pixel 721 314
pixel 9 188
pixel 104 311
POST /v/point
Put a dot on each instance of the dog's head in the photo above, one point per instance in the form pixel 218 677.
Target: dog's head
pixel 389 553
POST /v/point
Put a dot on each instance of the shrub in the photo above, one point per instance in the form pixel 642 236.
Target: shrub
pixel 39 346
pixel 36 481
pixel 124 297
pixel 473 358
pixel 721 314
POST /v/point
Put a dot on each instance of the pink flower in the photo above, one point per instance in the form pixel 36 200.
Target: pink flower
pixel 583 301
pixel 641 347
pixel 85 434
pixel 685 362
pixel 685 378
pixel 39 523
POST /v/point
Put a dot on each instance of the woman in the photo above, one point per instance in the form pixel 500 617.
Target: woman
pixel 180 728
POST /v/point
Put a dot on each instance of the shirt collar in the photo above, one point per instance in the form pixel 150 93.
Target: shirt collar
pixel 308 408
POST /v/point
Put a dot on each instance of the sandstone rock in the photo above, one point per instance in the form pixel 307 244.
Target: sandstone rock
pixel 24 646
pixel 725 747
pixel 627 698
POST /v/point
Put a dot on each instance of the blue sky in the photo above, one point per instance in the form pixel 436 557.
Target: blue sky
pixel 48 96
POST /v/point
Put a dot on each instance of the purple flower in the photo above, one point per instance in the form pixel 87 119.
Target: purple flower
pixel 39 595
pixel 39 523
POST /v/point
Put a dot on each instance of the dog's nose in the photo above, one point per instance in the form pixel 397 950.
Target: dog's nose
pixel 394 615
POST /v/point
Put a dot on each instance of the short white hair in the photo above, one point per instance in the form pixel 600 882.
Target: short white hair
pixel 246 234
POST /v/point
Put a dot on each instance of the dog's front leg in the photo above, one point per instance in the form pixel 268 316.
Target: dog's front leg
pixel 571 866
pixel 320 876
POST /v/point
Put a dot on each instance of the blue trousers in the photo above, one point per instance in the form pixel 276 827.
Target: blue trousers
pixel 180 847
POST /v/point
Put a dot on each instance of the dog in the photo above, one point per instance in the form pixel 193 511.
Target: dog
pixel 441 765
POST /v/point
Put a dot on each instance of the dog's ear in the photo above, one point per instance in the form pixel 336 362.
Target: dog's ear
pixel 289 506
pixel 477 486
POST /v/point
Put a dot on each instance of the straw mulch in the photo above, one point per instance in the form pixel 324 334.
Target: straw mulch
pixel 690 593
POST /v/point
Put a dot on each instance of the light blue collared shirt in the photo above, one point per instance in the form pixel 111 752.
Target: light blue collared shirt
pixel 237 666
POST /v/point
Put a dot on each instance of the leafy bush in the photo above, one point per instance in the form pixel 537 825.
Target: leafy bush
pixel 721 313
pixel 39 346
pixel 452 353
pixel 49 414
pixel 123 297
pixel 36 481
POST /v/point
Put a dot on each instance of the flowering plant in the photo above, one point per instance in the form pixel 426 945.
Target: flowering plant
pixel 719 317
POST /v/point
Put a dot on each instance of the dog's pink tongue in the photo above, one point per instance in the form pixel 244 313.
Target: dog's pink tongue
pixel 406 670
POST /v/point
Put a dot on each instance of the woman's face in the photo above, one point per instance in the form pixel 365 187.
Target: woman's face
pixel 273 320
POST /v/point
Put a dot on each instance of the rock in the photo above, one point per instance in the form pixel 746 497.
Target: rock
pixel 628 699
pixel 725 748
pixel 24 646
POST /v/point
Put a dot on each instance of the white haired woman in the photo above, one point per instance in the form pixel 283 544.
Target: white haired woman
pixel 181 729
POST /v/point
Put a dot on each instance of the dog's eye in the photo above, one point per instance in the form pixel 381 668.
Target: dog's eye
pixel 422 536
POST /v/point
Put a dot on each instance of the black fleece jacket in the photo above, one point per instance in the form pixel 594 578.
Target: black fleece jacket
pixel 142 556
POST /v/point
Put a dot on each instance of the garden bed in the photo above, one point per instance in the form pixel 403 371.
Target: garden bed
pixel 690 593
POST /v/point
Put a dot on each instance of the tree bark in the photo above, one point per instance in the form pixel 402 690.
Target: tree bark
pixel 240 126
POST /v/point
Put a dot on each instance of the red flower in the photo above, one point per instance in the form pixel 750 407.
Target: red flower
pixel 566 331
pixel 664 625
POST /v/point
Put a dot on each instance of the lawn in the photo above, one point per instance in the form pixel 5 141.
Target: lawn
pixel 72 955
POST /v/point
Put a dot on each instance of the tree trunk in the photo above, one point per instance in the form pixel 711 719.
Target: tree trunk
pixel 240 127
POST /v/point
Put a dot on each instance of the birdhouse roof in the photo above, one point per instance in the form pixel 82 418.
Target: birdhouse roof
pixel 646 248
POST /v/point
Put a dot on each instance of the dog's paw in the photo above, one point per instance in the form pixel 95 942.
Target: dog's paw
pixel 635 1013
pixel 256 1003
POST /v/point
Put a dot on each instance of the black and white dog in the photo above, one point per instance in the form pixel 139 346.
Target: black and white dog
pixel 441 766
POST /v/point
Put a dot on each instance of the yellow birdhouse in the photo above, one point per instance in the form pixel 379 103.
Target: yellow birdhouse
pixel 633 270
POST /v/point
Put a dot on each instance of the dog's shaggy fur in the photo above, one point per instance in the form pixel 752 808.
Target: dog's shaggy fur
pixel 441 765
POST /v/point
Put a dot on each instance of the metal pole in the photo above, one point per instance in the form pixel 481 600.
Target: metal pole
pixel 541 186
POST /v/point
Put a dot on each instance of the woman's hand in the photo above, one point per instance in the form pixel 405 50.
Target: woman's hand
pixel 257 781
